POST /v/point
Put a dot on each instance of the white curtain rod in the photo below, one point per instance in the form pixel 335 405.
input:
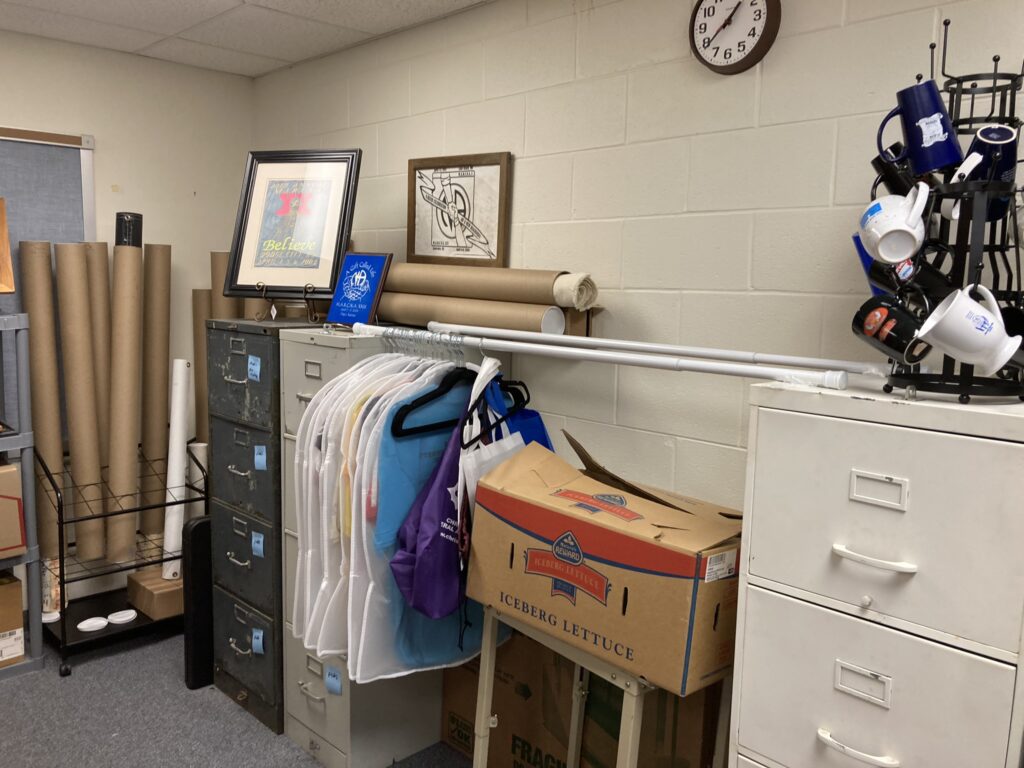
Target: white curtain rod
pixel 621 345
pixel 826 379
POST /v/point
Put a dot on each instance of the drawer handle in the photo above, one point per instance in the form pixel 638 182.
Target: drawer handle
pixel 304 688
pixel 238 651
pixel 239 563
pixel 302 397
pixel 239 473
pixel 883 761
pixel 233 380
pixel 886 565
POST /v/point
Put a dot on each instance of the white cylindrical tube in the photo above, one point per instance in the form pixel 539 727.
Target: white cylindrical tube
pixel 174 516
pixel 195 478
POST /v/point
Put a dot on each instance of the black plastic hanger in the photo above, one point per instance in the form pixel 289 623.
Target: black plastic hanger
pixel 451 380
pixel 520 399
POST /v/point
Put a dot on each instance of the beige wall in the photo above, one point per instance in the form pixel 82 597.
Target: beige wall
pixel 712 210
pixel 170 143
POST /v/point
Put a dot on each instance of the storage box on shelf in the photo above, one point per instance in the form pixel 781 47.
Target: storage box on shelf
pixel 876 623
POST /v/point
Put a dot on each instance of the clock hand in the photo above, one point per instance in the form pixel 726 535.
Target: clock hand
pixel 726 23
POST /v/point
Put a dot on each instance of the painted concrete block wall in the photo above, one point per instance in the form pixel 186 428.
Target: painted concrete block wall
pixel 711 210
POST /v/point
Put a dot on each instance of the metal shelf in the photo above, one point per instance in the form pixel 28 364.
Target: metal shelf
pixel 30 556
pixel 26 665
pixel 149 551
pixel 101 604
pixel 18 441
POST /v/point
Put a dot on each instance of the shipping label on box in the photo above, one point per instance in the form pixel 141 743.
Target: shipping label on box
pixel 12 623
pixel 620 577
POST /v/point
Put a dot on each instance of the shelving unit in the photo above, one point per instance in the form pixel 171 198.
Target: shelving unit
pixel 14 331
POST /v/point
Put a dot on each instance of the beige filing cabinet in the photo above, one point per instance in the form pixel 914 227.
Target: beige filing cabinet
pixel 365 726
pixel 881 602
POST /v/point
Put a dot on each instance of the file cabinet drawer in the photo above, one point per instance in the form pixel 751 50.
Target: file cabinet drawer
pixel 909 523
pixel 816 683
pixel 308 698
pixel 288 480
pixel 243 377
pixel 245 469
pixel 246 646
pixel 246 557
pixel 312 744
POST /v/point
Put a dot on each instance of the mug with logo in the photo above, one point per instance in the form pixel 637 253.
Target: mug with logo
pixel 892 228
pixel 992 154
pixel 930 143
pixel 970 331
pixel 888 326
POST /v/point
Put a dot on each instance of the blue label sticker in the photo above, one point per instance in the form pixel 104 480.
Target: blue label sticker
pixel 868 214
pixel 360 282
pixel 332 680
pixel 259 457
pixel 257 642
pixel 254 368
pixel 257 544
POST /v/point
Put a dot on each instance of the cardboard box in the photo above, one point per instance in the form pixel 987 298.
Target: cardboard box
pixel 533 703
pixel 12 620
pixel 155 596
pixel 650 588
pixel 12 515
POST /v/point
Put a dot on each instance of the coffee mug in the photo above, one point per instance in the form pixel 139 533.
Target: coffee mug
pixel 891 328
pixel 891 227
pixel 971 332
pixel 928 135
pixel 897 177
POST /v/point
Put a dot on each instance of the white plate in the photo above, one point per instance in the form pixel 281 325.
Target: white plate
pixel 93 624
pixel 51 616
pixel 122 617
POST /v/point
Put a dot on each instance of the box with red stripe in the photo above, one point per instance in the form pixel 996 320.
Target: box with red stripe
pixel 648 587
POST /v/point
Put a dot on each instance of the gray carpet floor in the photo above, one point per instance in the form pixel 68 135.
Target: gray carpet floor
pixel 130 707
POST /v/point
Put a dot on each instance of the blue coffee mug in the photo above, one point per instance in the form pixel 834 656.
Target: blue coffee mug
pixel 929 140
pixel 997 145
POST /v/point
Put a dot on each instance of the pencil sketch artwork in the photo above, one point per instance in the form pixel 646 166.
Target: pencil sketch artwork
pixel 457 211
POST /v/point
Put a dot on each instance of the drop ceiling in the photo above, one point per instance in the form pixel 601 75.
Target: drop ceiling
pixel 244 37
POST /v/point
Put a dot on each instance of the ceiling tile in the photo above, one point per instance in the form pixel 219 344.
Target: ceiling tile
pixel 206 56
pixel 269 33
pixel 32 21
pixel 376 16
pixel 165 16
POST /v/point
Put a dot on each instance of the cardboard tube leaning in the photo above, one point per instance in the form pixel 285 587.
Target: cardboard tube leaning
pixel 156 329
pixel 80 393
pixel 181 384
pixel 97 258
pixel 414 309
pixel 221 306
pixel 200 314
pixel 37 298
pixel 195 477
pixel 255 309
pixel 125 419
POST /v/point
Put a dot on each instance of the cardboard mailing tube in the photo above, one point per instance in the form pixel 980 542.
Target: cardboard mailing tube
pixel 200 314
pixel 221 306
pixel 37 298
pixel 413 309
pixel 255 309
pixel 126 394
pixel 98 260
pixel 156 328
pixel 80 393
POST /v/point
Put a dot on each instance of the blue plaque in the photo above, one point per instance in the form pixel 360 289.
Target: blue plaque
pixel 360 284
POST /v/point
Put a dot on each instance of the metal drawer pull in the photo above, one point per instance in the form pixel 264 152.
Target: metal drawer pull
pixel 874 562
pixel 233 380
pixel 238 651
pixel 302 397
pixel 304 688
pixel 239 563
pixel 884 761
pixel 236 471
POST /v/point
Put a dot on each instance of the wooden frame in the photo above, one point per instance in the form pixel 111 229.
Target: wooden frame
pixel 296 255
pixel 473 237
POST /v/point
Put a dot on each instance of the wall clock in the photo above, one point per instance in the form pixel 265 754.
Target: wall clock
pixel 730 36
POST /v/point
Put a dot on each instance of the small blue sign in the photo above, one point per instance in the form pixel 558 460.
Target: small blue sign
pixel 257 642
pixel 259 457
pixel 257 544
pixel 254 368
pixel 332 680
pixel 360 283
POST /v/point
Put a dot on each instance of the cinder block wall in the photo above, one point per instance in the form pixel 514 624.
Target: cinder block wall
pixel 711 210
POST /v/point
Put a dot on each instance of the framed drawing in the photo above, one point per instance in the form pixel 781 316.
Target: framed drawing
pixel 459 209
pixel 294 221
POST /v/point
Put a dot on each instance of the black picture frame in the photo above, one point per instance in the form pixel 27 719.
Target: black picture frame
pixel 301 288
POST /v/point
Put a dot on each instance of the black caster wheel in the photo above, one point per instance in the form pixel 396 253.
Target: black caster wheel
pixel 964 399
pixel 65 669
pixel 1020 397
pixel 887 388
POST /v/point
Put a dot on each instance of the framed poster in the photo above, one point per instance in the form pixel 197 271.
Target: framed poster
pixel 360 284
pixel 294 221
pixel 459 209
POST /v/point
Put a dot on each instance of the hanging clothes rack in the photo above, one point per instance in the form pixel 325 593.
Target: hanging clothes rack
pixel 828 379
pixel 705 353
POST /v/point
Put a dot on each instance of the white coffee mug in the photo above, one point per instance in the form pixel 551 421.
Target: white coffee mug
pixel 891 227
pixel 951 206
pixel 971 332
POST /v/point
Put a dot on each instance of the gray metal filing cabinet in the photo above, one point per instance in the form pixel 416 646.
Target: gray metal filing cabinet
pixel 361 725
pixel 245 504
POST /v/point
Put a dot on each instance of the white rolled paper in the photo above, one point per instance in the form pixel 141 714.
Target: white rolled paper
pixel 195 478
pixel 174 517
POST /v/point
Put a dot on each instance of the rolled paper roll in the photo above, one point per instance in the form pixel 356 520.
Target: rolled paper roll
pixel 97 257
pixel 128 229
pixel 221 306
pixel 177 490
pixel 200 314
pixel 414 309
pixel 37 299
pixel 518 286
pixel 195 477
pixel 256 309
pixel 156 328
pixel 126 393
pixel 80 395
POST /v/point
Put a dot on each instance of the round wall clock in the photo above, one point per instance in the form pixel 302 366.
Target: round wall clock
pixel 730 36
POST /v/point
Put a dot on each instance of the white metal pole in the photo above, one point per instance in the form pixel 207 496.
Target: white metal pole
pixel 705 353
pixel 826 379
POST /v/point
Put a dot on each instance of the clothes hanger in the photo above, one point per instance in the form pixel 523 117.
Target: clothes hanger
pixel 520 399
pixel 451 380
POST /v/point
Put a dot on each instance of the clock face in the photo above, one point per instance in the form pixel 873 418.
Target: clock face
pixel 730 36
